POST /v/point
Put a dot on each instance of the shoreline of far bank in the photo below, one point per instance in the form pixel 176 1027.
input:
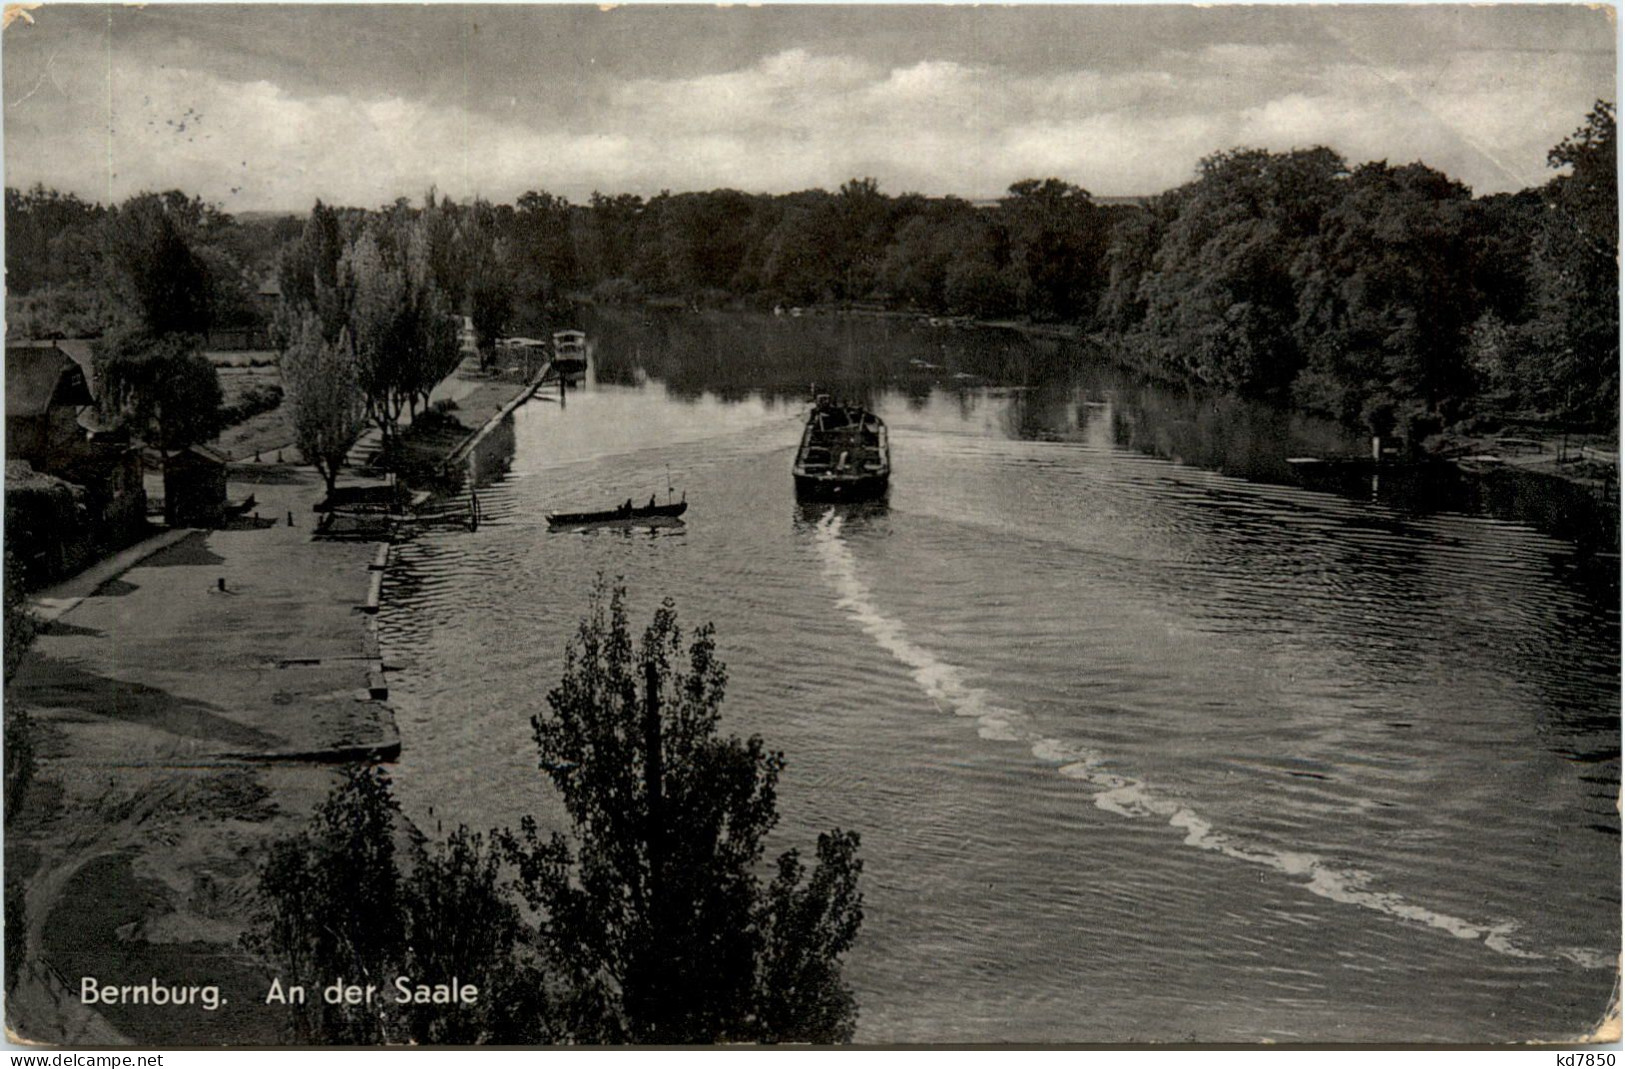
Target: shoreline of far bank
pixel 1497 454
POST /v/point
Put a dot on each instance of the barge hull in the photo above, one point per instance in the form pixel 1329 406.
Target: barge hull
pixel 864 488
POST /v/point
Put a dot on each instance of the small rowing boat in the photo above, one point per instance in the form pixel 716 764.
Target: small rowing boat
pixel 627 513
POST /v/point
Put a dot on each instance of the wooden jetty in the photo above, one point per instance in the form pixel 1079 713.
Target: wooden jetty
pixel 387 516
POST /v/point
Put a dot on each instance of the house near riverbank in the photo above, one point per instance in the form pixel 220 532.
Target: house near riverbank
pixel 194 487
pixel 71 496
pixel 249 330
pixel 268 296
pixel 46 390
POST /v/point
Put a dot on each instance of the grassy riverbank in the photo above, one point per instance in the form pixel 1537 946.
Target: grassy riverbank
pixel 467 400
pixel 181 728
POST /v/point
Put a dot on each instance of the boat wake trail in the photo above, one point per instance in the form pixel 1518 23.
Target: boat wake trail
pixel 1129 797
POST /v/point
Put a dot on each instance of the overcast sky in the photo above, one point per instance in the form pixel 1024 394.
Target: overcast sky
pixel 266 107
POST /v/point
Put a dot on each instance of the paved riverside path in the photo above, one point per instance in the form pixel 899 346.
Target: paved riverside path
pixel 162 706
pixel 180 729
pixel 67 595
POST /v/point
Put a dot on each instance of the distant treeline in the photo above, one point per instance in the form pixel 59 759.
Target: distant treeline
pixel 63 277
pixel 1386 296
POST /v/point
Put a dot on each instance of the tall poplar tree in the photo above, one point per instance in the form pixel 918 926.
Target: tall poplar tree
pixel 654 904
pixel 323 381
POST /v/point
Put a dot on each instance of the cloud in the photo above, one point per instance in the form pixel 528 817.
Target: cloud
pixel 110 122
pixel 256 144
pixel 1486 118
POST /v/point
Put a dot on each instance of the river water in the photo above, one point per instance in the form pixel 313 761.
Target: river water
pixel 1144 741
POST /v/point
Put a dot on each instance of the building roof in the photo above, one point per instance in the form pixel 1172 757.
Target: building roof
pixel 41 376
pixel 78 350
pixel 199 456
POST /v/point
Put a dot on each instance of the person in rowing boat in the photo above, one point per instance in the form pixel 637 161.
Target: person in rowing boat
pixel 627 508
pixel 651 501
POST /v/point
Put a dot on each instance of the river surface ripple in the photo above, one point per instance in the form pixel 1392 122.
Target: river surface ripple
pixel 1138 750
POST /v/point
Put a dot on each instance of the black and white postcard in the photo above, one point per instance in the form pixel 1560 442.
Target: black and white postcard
pixel 670 524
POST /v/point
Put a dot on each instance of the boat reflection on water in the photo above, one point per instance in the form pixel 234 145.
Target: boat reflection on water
pixel 855 516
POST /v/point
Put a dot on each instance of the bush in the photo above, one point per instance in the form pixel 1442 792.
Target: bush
pixel 160 386
pixel 337 901
pixel 433 420
pixel 48 523
pixel 16 928
pixel 977 288
pixel 19 757
pixel 21 628
pixel 254 401
pixel 617 291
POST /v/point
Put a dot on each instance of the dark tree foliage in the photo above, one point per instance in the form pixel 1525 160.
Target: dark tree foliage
pixel 862 229
pixel 161 386
pixel 696 243
pixel 165 262
pixel 152 372
pixel 490 274
pixel 402 325
pixel 331 901
pixel 807 928
pixel 21 629
pixel 1057 238
pixel 1130 258
pixel 654 904
pixel 1385 295
pixel 544 242
pixel 949 256
pixel 1215 300
pixel 1575 266
pixel 308 277
pixel 44 237
pixel 1500 234
pixel 607 236
pixel 1589 193
pixel 463 922
pixel 799 264
pixel 1371 291
pixel 344 900
pixel 650 924
pixel 155 267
